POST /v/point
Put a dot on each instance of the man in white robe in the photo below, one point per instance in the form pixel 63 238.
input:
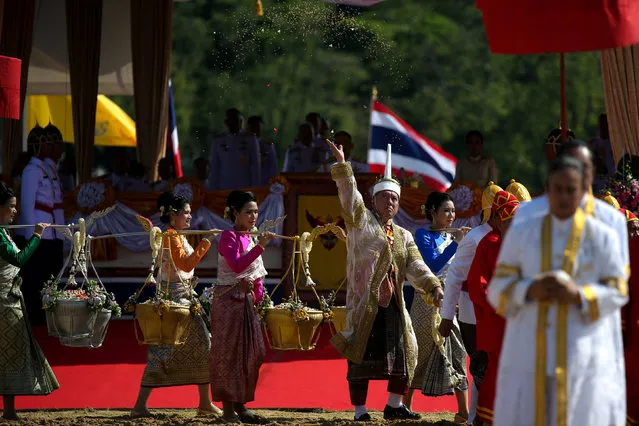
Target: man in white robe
pixel 561 282
pixel 591 205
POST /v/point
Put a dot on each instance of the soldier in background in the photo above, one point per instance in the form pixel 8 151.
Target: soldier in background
pixel 344 139
pixel 201 170
pixel 137 178
pixel 304 155
pixel 54 135
pixel 320 128
pixel 235 156
pixel 268 153
pixel 165 171
pixel 40 202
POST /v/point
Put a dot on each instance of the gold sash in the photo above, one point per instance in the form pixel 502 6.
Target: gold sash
pixel 561 369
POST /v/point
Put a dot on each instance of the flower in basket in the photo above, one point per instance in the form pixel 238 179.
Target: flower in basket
pixel 196 308
pixel 205 297
pixel 162 302
pixel 264 305
pixel 326 305
pixel 129 305
pixel 301 314
pixel 297 307
pixel 162 307
pixel 50 294
pixel 112 305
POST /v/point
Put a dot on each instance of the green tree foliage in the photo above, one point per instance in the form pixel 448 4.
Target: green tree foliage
pixel 429 59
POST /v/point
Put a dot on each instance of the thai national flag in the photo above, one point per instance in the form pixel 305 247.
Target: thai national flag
pixel 411 151
pixel 173 144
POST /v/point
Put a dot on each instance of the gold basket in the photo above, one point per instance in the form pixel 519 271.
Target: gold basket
pixel 168 328
pixel 338 322
pixel 284 333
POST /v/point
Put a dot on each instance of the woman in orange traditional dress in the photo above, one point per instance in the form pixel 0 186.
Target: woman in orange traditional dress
pixel 238 349
pixel 187 364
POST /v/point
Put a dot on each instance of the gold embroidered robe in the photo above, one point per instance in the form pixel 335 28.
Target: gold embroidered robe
pixel 368 261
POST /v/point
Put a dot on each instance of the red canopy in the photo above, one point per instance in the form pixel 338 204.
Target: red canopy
pixel 556 26
pixel 10 69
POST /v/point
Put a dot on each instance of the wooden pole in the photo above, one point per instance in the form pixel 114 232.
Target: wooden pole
pixel 562 90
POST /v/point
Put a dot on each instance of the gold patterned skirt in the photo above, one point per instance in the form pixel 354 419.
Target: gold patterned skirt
pixel 431 375
pixel 23 368
pixel 187 364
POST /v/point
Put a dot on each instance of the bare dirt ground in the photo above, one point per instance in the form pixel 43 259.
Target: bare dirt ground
pixel 92 417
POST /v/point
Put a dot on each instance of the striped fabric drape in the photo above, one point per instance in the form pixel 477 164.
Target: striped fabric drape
pixel 620 75
pixel 84 36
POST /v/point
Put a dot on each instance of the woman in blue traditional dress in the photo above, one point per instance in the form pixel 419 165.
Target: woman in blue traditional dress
pixel 23 368
pixel 432 375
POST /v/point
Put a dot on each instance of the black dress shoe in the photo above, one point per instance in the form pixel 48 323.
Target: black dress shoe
pixel 402 412
pixel 363 418
pixel 251 418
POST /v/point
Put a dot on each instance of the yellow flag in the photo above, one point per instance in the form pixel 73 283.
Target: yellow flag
pixel 113 126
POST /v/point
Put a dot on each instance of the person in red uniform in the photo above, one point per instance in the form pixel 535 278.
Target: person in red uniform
pixel 490 326
pixel 630 322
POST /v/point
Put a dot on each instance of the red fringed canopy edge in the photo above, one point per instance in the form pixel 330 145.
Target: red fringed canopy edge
pixel 556 26
pixel 10 69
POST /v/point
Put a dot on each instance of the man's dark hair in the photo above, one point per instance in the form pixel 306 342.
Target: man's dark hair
pixel 233 112
pixel 475 133
pixel 255 118
pixel 344 133
pixel 573 144
pixel 566 162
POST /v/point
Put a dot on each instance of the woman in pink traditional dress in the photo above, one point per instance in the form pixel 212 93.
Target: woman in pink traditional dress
pixel 238 346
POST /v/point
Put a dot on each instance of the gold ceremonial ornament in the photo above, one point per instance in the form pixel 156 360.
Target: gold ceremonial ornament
pixel 519 191
pixel 610 199
pixel 487 198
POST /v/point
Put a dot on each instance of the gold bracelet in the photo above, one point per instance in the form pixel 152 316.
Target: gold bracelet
pixel 35 234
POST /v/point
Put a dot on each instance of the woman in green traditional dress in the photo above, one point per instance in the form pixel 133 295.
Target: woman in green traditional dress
pixel 23 368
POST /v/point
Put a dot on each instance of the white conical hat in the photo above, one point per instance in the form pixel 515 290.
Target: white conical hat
pixel 387 183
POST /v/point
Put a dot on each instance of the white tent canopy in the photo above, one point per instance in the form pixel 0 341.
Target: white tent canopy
pixel 49 65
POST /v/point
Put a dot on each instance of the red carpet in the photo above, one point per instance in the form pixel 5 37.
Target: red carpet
pixel 109 377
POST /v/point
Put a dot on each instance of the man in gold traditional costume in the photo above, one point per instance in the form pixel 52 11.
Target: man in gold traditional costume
pixel 379 342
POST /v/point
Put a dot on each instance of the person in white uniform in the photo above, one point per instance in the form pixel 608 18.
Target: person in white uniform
pixel 560 283
pixel 235 157
pixel 41 202
pixel 55 137
pixel 591 205
pixel 456 293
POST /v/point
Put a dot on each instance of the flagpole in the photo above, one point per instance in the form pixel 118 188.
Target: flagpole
pixel 370 123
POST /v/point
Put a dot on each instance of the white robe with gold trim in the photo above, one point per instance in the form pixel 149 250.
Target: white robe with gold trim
pixel 595 363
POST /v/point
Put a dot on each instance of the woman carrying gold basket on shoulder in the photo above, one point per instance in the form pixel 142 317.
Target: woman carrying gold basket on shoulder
pixel 185 364
pixel 238 345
